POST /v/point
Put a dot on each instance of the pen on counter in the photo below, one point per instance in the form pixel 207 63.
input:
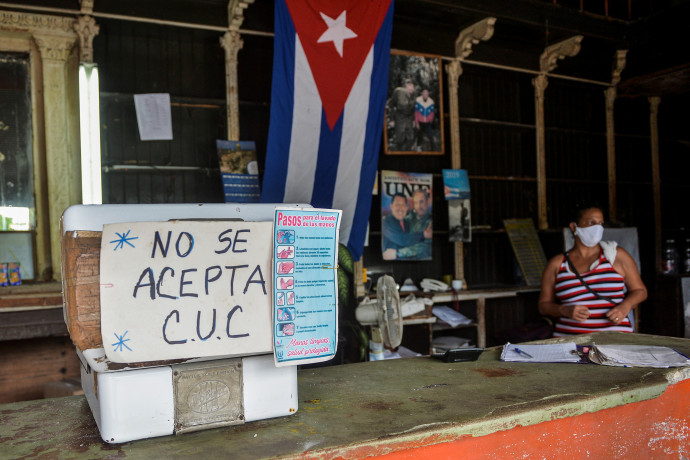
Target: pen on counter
pixel 524 353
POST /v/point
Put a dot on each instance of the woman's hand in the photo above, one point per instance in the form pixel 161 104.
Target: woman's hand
pixel 617 314
pixel 577 312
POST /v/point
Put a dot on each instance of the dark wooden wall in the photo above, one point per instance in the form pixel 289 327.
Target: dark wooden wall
pixel 137 58
pixel 497 136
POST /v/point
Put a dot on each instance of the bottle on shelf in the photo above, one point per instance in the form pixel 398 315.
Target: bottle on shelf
pixel 670 257
pixel 686 256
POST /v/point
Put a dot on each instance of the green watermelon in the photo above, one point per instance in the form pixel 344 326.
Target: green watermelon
pixel 343 287
pixel 345 260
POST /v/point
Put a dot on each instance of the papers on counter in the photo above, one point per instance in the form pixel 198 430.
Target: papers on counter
pixel 637 356
pixel 607 355
pixel 545 353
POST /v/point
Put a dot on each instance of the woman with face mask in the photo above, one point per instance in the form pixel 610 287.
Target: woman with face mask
pixel 594 286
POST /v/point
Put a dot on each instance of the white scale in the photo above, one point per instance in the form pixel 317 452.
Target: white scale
pixel 190 394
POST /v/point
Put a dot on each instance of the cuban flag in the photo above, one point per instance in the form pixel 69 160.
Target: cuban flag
pixel 330 75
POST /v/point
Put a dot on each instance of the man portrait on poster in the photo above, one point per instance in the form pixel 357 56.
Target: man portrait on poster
pixel 406 223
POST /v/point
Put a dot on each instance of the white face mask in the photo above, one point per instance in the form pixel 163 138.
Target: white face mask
pixel 590 236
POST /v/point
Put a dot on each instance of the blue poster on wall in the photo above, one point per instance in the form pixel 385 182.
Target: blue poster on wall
pixel 456 184
pixel 305 285
pixel 239 171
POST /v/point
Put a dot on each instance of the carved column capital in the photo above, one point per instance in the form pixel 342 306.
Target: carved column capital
pixel 610 95
pixel 479 31
pixel 54 48
pixel 540 82
pixel 566 48
pixel 232 43
pixel 454 70
pixel 654 102
pixel 618 66
pixel 236 13
pixel 86 29
pixel 86 6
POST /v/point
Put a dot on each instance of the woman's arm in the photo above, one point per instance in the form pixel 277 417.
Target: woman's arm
pixel 637 292
pixel 547 298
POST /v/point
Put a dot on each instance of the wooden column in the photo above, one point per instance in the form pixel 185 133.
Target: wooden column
pixel 656 177
pixel 479 31
pixel 232 43
pixel 454 70
pixel 610 96
pixel 547 62
pixel 60 100
pixel 540 82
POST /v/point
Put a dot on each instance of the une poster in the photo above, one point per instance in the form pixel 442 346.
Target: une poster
pixel 406 215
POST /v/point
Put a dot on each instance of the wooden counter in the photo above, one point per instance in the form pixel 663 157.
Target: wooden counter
pixel 31 311
pixel 417 407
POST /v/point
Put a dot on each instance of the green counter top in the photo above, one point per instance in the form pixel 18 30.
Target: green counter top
pixel 347 410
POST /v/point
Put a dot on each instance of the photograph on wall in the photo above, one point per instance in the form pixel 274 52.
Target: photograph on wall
pixel 406 217
pixel 459 223
pixel 239 171
pixel 414 108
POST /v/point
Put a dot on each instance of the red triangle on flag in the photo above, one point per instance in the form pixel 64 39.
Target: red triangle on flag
pixel 325 29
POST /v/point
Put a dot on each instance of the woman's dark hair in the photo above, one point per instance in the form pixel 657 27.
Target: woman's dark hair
pixel 581 207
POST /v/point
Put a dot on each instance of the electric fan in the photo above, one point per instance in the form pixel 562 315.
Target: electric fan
pixel 389 315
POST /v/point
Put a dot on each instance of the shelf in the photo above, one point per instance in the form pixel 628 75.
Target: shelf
pixel 27 297
pixel 479 296
pixel 447 327
pixel 407 322
pixel 461 296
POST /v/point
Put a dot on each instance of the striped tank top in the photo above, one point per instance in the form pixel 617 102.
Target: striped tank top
pixel 605 281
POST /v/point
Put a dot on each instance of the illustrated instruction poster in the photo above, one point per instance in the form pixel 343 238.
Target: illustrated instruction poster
pixel 185 289
pixel 305 285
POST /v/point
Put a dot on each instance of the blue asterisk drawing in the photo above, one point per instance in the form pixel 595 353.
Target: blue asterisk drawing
pixel 121 342
pixel 123 239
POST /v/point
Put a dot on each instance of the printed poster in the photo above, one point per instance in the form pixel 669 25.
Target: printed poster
pixel 239 171
pixel 153 116
pixel 185 289
pixel 406 215
pixel 305 284
pixel 459 223
pixel 456 184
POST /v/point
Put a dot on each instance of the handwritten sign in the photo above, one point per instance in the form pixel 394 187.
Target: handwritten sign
pixel 184 289
pixel 305 285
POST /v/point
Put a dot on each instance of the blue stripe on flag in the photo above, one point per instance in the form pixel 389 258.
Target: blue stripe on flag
pixel 372 141
pixel 282 124
pixel 282 102
pixel 327 163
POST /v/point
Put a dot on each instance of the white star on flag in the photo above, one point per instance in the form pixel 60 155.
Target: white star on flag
pixel 337 32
